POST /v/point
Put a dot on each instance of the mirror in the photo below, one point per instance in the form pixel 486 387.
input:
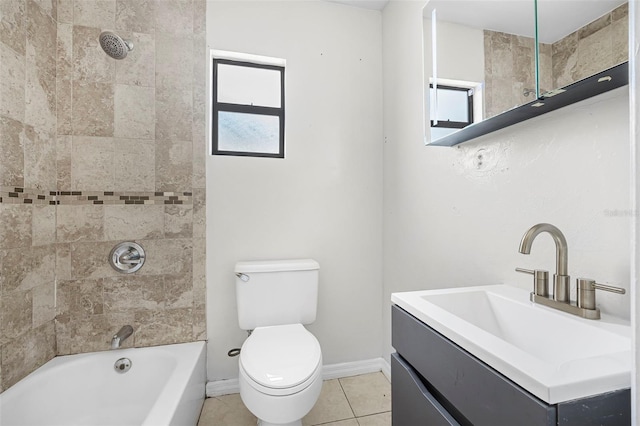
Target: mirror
pixel 486 49
pixel 574 46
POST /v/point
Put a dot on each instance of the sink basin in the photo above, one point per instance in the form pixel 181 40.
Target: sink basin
pixel 555 356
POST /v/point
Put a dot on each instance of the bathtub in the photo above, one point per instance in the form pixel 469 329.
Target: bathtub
pixel 164 386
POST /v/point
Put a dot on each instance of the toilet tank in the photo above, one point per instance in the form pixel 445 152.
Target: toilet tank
pixel 276 292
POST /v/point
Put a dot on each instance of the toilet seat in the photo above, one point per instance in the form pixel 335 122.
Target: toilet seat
pixel 280 360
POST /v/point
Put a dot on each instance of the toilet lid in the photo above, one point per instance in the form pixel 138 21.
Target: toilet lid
pixel 281 356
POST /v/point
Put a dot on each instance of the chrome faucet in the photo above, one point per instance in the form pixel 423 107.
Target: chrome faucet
pixel 586 303
pixel 121 336
pixel 561 279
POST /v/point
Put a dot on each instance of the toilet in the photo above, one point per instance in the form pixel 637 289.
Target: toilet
pixel 280 365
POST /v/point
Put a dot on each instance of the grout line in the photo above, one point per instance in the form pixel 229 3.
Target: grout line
pixel 347 398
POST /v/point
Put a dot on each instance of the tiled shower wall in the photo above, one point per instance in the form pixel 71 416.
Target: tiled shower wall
pixel 93 152
pixel 597 46
pixel 510 60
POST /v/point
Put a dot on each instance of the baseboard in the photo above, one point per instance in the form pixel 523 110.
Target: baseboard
pixel 330 371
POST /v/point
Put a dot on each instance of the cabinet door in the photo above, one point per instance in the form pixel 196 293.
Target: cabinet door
pixel 480 394
pixel 412 404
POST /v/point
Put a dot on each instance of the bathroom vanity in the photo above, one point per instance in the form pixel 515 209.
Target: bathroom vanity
pixel 436 381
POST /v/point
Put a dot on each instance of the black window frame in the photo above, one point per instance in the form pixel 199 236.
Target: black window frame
pixel 456 124
pixel 247 109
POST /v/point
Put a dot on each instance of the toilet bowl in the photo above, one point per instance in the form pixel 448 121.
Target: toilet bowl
pixel 280 363
pixel 280 374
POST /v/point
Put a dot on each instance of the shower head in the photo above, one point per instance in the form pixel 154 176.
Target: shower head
pixel 115 46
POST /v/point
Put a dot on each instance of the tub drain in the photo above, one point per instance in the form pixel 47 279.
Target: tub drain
pixel 122 365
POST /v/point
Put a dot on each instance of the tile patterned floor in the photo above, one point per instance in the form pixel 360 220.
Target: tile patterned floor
pixel 351 401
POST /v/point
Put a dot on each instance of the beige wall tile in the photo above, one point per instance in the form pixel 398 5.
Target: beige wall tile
pixel 90 63
pixel 39 159
pixel 92 109
pixel 40 100
pixel 178 291
pixel 50 7
pixel 43 225
pixel 64 49
pixel 15 225
pixel 174 62
pixel 82 298
pixel 174 114
pixel 63 162
pixel 63 261
pixel 41 39
pixel 174 17
pixel 134 112
pixel 16 313
pixel 65 11
pixel 64 106
pixel 178 221
pixel 173 165
pixel 21 357
pixel 167 257
pixel 89 260
pixel 199 265
pixel 161 327
pixel 44 310
pixel 620 41
pixel 13 28
pixel 135 15
pixel 129 293
pixel 94 13
pixel 26 268
pixel 199 323
pixel 83 222
pixel 139 68
pixel 12 89
pixel 91 164
pixel 199 16
pixel 594 53
pixel 11 152
pixel 133 222
pixel 134 164
pixel 90 334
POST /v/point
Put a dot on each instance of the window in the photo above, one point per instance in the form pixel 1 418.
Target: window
pixel 454 109
pixel 248 106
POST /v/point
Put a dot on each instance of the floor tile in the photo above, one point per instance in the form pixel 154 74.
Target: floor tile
pixel 383 419
pixel 348 422
pixel 227 410
pixel 368 393
pixel 332 405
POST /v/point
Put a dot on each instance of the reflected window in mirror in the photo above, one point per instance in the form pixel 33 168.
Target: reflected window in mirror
pixel 454 105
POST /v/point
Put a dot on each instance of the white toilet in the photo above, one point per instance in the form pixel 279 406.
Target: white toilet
pixel 280 362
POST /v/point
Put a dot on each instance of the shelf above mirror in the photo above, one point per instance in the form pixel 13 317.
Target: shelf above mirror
pixel 594 85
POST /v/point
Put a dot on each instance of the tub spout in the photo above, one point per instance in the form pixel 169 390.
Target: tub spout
pixel 121 336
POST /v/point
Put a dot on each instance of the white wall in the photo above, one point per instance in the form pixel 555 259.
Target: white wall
pixel 460 51
pixel 324 200
pixel 451 219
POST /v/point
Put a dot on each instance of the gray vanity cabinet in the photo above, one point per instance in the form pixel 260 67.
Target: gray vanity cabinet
pixel 435 382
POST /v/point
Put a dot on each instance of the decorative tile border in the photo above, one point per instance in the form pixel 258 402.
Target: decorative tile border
pixel 15 195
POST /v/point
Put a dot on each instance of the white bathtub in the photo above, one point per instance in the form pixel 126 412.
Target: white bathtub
pixel 165 386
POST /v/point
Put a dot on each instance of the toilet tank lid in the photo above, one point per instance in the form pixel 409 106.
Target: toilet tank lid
pixel 277 265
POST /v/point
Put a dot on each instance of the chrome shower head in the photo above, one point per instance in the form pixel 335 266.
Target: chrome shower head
pixel 115 46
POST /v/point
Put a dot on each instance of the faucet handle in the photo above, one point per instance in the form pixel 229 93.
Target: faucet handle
pixel 540 280
pixel 587 292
